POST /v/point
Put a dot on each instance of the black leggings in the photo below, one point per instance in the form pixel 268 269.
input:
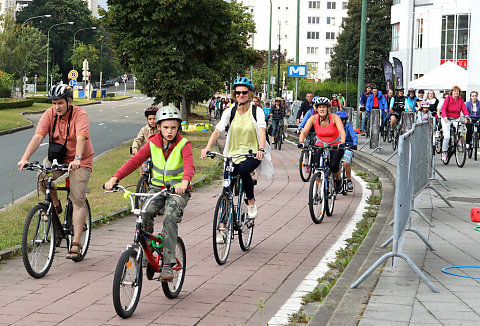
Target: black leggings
pixel 470 130
pixel 335 158
pixel 244 169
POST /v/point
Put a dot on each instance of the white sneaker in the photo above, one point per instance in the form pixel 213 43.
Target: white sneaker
pixel 252 211
pixel 220 237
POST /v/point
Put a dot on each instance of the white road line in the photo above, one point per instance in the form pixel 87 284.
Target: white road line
pixel 101 124
pixel 43 144
pixel 294 303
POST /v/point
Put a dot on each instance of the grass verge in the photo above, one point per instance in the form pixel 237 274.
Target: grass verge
pixel 114 98
pixel 344 255
pixel 103 205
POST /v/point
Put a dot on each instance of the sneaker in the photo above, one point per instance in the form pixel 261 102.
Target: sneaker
pixel 338 186
pixel 444 156
pixel 252 211
pixel 220 237
pixel 467 146
pixel 349 185
pixel 166 274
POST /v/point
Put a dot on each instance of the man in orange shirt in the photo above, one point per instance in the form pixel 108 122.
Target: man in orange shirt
pixel 66 125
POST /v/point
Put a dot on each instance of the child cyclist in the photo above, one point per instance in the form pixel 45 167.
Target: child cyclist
pixel 172 166
pixel 146 131
pixel 351 141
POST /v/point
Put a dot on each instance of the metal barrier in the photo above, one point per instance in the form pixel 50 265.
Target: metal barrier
pixel 349 111
pixel 414 168
pixel 333 109
pixel 375 122
pixel 407 121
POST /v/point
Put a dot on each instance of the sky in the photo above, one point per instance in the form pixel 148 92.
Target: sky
pixel 102 3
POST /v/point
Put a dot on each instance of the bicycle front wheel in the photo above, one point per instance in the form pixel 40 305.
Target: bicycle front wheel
pixel 316 198
pixel 330 196
pixel 142 187
pixel 173 288
pixel 304 166
pixel 127 282
pixel 280 137
pixel 38 241
pixel 344 181
pixel 475 145
pixel 460 150
pixel 222 229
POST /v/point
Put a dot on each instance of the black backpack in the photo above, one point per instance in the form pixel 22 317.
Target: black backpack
pixel 254 113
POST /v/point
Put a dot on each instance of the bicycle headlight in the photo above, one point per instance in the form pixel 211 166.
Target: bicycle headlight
pixel 226 183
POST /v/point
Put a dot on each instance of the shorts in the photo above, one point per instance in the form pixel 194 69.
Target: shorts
pixel 347 156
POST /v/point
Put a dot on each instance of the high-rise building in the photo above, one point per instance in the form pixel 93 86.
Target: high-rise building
pixel 18 4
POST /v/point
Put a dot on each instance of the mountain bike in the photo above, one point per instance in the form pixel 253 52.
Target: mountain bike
pixel 321 195
pixel 43 230
pixel 386 131
pixel 127 280
pixel 305 163
pixel 279 135
pixel 473 150
pixel 457 143
pixel 143 184
pixel 230 212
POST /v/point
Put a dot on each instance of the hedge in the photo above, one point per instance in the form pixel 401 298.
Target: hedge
pixel 12 104
pixel 40 99
pixel 110 94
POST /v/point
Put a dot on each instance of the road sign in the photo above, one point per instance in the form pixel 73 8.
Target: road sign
pixel 73 74
pixel 73 82
pixel 297 70
pixel 272 80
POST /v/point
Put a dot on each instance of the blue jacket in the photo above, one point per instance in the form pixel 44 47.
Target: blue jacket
pixel 382 103
pixel 412 104
pixel 474 115
pixel 350 135
pixel 305 118
pixel 266 110
pixel 363 98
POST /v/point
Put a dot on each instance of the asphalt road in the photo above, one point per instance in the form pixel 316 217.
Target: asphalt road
pixel 111 124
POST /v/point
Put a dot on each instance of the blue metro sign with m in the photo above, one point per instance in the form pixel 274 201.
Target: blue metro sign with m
pixel 297 70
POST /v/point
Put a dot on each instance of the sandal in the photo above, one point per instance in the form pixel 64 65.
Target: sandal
pixel 75 254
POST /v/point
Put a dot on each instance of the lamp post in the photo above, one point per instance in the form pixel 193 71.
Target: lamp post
pixel 48 45
pixel 21 28
pixel 269 52
pixel 346 85
pixel 278 60
pixel 74 35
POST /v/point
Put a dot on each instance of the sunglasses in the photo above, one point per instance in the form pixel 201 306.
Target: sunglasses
pixel 241 92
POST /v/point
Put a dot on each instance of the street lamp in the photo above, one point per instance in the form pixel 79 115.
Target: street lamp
pixel 93 27
pixel 269 52
pixel 48 45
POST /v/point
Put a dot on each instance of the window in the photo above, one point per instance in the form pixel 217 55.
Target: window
pixel 313 65
pixel 344 5
pixel 327 65
pixel 331 5
pixel 313 35
pixel 314 20
pixel 330 36
pixel 344 21
pixel 395 36
pixel 455 30
pixel 314 4
pixel 419 40
pixel 286 36
pixel 312 50
pixel 329 51
pixel 330 20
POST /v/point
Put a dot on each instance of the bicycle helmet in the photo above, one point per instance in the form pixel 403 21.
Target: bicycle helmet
pixel 151 111
pixel 334 95
pixel 342 114
pixel 368 85
pixel 424 104
pixel 411 90
pixel 315 98
pixel 421 91
pixel 278 99
pixel 243 81
pixel 322 101
pixel 168 113
pixel 399 88
pixel 60 91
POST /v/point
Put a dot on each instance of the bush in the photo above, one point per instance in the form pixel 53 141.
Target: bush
pixel 6 81
pixel 12 104
pixel 39 99
pixel 110 94
pixel 41 87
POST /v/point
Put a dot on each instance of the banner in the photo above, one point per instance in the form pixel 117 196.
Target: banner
pixel 388 70
pixel 398 72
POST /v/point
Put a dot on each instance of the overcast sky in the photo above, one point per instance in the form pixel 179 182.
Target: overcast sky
pixel 102 3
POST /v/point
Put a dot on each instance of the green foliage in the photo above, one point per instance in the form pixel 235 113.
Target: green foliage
pixel 40 99
pixel 34 48
pixel 181 48
pixel 299 317
pixel 13 103
pixel 378 42
pixel 89 52
pixel 10 51
pixel 6 81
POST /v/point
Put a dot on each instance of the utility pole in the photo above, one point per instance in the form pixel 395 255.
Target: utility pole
pixel 346 85
pixel 361 59
pixel 278 74
pixel 269 52
pixel 297 48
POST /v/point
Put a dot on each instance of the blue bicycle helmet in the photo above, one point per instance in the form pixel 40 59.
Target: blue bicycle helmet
pixel 243 81
pixel 342 114
pixel 315 99
pixel 322 101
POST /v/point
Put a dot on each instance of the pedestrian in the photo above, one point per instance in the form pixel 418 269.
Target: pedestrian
pixel 473 108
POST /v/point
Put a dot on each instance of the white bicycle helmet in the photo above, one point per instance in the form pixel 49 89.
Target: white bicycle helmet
pixel 60 91
pixel 168 113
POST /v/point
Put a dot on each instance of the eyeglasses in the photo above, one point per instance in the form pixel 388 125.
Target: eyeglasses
pixel 241 92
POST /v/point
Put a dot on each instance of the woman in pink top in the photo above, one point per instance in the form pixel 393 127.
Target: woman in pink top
pixel 451 108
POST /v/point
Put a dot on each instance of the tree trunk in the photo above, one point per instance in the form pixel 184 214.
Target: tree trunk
pixel 184 108
pixel 165 100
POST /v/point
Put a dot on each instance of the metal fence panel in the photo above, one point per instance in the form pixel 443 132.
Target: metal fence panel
pixel 375 121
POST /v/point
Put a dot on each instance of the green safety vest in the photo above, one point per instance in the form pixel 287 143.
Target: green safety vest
pixel 169 173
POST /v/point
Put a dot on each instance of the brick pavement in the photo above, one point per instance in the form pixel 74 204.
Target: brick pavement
pixel 286 246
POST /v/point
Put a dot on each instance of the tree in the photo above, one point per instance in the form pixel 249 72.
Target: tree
pixel 35 51
pixel 10 52
pixel 377 43
pixel 89 52
pixel 181 49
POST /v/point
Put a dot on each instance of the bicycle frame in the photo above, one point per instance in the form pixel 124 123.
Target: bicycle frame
pixel 227 190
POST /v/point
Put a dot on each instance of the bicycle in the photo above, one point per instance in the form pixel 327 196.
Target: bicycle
pixel 228 216
pixel 456 143
pixel 321 194
pixel 305 162
pixel 43 230
pixel 474 142
pixel 143 184
pixel 279 136
pixel 127 280
pixel 438 138
pixel 386 131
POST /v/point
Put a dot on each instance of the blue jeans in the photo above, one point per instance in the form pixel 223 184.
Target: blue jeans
pixel 364 119
pixel 275 123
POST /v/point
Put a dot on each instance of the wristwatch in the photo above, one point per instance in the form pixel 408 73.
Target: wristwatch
pixel 262 149
pixel 78 157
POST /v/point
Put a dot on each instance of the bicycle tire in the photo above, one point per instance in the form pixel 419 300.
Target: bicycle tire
pixel 475 146
pixel 438 143
pixel 316 198
pixel 330 196
pixel 305 169
pixel 38 224
pixel 142 187
pixel 344 181
pixel 280 137
pixel 86 234
pixel 245 229
pixel 127 283
pixel 460 151
pixel 385 131
pixel 172 289
pixel 222 215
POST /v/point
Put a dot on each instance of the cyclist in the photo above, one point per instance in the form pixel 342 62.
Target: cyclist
pixel 376 101
pixel 277 114
pixel 305 106
pixel 451 108
pixel 172 160
pixel 60 121
pixel 424 114
pixel 256 101
pixel 397 106
pixel 351 140
pixel 335 102
pixel 363 101
pixel 432 99
pixel 342 100
pixel 330 131
pixel 266 111
pixel 473 108
pixel 247 132
pixel 411 101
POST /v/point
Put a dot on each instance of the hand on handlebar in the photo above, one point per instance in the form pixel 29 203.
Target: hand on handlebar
pixel 300 145
pixel 204 152
pixel 182 187
pixel 21 164
pixel 110 183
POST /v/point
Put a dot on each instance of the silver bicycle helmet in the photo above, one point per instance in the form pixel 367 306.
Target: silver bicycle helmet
pixel 60 91
pixel 168 113
pixel 322 101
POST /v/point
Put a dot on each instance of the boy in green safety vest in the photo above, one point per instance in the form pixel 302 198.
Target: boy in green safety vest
pixel 172 166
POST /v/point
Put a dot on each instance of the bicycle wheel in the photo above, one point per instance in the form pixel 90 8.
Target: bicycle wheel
pixel 86 234
pixel 280 137
pixel 316 198
pixel 330 196
pixel 245 229
pixel 142 187
pixel 38 242
pixel 222 216
pixel 304 166
pixel 460 150
pixel 173 288
pixel 475 145
pixel 438 143
pixel 385 132
pixel 127 282
pixel 344 181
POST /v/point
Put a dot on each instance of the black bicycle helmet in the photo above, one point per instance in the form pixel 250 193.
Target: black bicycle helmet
pixel 152 110
pixel 60 91
pixel 399 88
pixel 322 101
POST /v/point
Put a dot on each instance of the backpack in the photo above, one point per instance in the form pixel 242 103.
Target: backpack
pixel 254 113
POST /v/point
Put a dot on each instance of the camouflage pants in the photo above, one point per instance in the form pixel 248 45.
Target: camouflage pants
pixel 174 206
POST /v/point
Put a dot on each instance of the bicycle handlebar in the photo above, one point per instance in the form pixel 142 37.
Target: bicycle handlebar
pixel 250 154
pixel 36 166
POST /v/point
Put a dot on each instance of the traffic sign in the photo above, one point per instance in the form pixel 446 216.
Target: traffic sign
pixel 73 82
pixel 297 70
pixel 73 74
pixel 272 79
